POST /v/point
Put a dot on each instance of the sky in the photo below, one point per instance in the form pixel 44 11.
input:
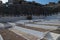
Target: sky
pixel 4 1
pixel 38 1
pixel 44 1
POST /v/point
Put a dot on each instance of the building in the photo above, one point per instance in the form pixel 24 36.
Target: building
pixel 10 1
pixel 50 4
pixel 0 2
pixel 14 1
pixel 22 7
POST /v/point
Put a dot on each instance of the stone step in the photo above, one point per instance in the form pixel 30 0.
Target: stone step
pixel 24 35
pixel 5 25
pixel 9 35
pixel 40 26
pixel 29 33
pixel 33 28
pixel 48 23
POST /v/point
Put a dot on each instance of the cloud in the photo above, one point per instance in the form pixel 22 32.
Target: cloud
pixel 4 1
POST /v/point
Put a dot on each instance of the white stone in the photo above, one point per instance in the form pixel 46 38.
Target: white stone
pixel 1 37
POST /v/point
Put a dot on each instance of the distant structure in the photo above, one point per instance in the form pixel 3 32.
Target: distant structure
pixel 51 4
pixel 25 8
pixel 22 7
pixel 14 1
pixel 0 2
pixel 10 1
